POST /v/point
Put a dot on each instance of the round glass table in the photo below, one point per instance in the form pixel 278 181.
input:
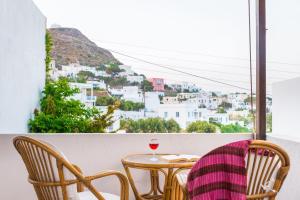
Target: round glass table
pixel 168 169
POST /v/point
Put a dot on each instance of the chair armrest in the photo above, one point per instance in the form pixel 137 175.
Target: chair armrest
pixel 124 194
pixel 182 181
pixel 80 187
pixel 261 196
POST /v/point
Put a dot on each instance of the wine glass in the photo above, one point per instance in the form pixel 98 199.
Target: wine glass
pixel 153 144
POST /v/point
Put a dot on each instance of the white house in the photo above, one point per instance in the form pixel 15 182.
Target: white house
pixel 73 69
pixel 116 91
pixel 102 73
pixel 132 93
pixel 170 100
pixel 98 84
pixel 183 114
pixel 152 101
pixel 134 115
pixel 238 101
pixel 201 99
pixel 135 79
pixel 222 118
pixel 191 87
pixel 88 100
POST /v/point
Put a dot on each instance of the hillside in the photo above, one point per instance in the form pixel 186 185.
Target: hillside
pixel 71 46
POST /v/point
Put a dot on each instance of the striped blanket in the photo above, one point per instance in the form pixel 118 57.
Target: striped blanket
pixel 220 174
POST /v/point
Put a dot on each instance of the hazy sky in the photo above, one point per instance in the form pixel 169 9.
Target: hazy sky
pixel 205 38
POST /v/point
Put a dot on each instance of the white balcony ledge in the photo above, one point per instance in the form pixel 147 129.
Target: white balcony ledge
pixel 96 152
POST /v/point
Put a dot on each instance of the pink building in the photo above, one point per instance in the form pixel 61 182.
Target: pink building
pixel 158 84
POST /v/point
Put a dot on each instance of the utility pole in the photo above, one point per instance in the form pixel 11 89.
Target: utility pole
pixel 261 69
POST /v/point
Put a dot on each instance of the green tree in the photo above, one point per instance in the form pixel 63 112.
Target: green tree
pixel 48 49
pixel 131 106
pixel 269 122
pixel 147 86
pixel 101 67
pixel 201 127
pixel 213 94
pixel 150 125
pixel 113 68
pixel 172 126
pixel 221 110
pixel 60 113
pixel 83 76
pixel 248 99
pixel 120 81
pixel 105 101
pixel 226 105
pixel 124 105
pixel 234 128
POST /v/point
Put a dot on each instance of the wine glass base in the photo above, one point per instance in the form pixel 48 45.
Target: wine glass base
pixel 153 159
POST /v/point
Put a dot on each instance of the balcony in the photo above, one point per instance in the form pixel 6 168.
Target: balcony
pixel 96 152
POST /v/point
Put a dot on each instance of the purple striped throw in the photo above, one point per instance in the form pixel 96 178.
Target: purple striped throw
pixel 220 174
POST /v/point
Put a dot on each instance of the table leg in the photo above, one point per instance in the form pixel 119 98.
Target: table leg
pixel 168 185
pixel 155 192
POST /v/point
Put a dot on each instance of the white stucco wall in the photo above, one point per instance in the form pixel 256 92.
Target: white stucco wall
pixel 22 68
pixel 286 108
pixel 290 188
pixel 97 152
pixel 286 131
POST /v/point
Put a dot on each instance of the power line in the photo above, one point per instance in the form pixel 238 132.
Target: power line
pixel 224 72
pixel 196 53
pixel 214 64
pixel 237 81
pixel 180 71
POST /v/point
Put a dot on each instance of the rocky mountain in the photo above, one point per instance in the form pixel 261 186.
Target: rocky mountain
pixel 71 46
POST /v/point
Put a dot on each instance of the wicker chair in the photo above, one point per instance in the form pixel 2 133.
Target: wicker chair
pixel 267 164
pixel 55 178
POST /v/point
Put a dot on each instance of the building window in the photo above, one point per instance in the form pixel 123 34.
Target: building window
pixel 165 114
pixel 177 114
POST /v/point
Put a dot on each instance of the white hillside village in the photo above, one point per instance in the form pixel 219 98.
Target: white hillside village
pixel 183 102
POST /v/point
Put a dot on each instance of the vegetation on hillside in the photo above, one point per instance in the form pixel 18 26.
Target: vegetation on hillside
pixel 269 122
pixel 234 128
pixel 48 49
pixel 201 127
pixel 113 68
pixel 59 113
pixel 147 86
pixel 150 125
pixel 124 105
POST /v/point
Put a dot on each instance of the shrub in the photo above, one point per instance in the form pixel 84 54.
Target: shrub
pixel 234 128
pixel 201 127
pixel 150 125
pixel 60 113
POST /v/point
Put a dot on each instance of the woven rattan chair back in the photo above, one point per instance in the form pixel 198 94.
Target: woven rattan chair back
pixel 267 167
pixel 52 176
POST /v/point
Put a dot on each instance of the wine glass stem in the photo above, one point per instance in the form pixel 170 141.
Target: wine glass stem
pixel 153 153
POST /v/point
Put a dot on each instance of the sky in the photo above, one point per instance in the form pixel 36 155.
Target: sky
pixel 208 39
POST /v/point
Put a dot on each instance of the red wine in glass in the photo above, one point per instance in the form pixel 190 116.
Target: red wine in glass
pixel 153 144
